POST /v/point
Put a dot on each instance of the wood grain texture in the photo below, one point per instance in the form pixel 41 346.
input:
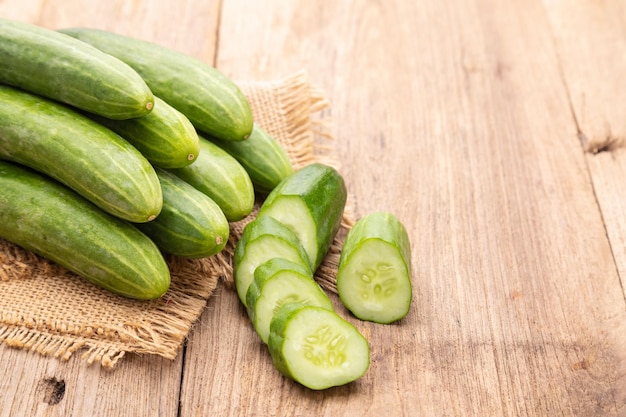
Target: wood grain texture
pixel 462 118
pixel 593 66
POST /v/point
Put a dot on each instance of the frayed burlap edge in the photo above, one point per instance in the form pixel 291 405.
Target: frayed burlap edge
pixel 296 114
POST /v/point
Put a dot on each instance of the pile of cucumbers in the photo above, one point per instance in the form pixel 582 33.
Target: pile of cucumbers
pixel 115 151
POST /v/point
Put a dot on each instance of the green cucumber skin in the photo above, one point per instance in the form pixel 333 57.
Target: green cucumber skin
pixel 62 68
pixel 49 219
pixel 92 160
pixel 213 102
pixel 221 177
pixel 262 156
pixel 190 225
pixel 256 229
pixel 383 227
pixel 165 137
pixel 324 192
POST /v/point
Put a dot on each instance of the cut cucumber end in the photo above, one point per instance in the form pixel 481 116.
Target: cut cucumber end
pixel 316 347
pixel 291 211
pixel 278 282
pixel 374 282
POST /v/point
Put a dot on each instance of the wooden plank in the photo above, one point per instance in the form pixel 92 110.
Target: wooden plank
pixel 32 385
pixel 608 171
pixel 598 93
pixel 143 386
pixel 594 66
pixel 453 115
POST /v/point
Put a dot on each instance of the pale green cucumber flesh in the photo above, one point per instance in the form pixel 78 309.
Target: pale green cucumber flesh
pixel 221 177
pixel 190 225
pixel 374 283
pixel 291 211
pixel 374 274
pixel 53 221
pixel 316 347
pixel 273 288
pixel 257 251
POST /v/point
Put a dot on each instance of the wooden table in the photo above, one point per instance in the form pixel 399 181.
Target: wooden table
pixel 496 130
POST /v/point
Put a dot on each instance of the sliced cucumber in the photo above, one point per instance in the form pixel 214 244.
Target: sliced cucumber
pixel 374 274
pixel 276 282
pixel 262 239
pixel 316 347
pixel 311 202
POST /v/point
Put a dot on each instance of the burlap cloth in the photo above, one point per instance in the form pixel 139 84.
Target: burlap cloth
pixel 49 310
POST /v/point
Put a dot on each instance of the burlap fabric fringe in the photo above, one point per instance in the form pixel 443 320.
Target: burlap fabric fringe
pixel 49 310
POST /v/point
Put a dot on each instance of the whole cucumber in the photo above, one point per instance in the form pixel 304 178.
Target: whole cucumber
pixel 47 218
pixel 213 102
pixel 221 177
pixel 191 225
pixel 165 136
pixel 63 68
pixel 92 160
pixel 262 156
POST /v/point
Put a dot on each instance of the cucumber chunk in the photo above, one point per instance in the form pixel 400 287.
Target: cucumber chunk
pixel 262 239
pixel 311 202
pixel 277 282
pixel 316 347
pixel 374 274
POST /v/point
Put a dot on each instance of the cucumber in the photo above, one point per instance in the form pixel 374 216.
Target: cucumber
pixel 262 239
pixel 374 273
pixel 316 347
pixel 190 225
pixel 92 160
pixel 213 102
pixel 277 282
pixel 311 202
pixel 262 156
pixel 165 137
pixel 62 68
pixel 49 219
pixel 221 177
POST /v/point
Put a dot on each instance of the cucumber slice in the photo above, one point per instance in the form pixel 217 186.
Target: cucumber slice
pixel 262 239
pixel 374 274
pixel 316 347
pixel 311 202
pixel 277 282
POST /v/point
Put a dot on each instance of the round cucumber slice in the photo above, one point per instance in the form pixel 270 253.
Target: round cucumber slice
pixel 278 282
pixel 374 275
pixel 262 239
pixel 316 347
